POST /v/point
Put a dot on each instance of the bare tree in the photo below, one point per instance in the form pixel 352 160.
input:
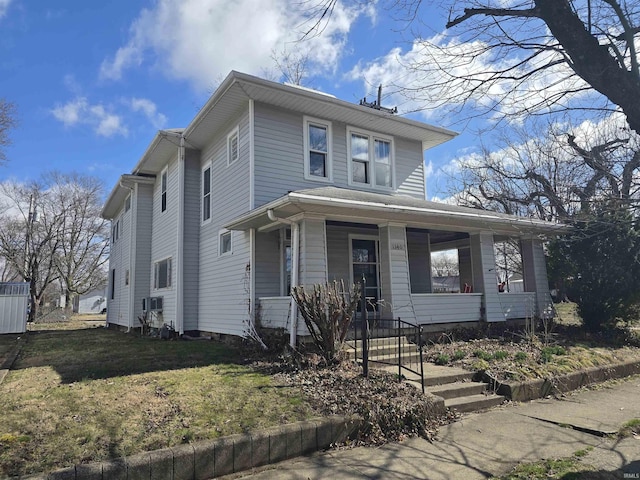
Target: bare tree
pixel 7 122
pixel 444 264
pixel 292 67
pixel 530 57
pixel 83 249
pixel 550 173
pixel 29 237
pixel 51 232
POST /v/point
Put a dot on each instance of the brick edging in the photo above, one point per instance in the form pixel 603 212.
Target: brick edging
pixel 533 389
pixel 223 456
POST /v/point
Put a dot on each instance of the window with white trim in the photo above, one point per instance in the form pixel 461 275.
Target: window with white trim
pixel 162 274
pixel 233 146
pixel 163 189
pixel 115 231
pixel 225 242
pixel 206 194
pixel 317 150
pixel 112 284
pixel 370 159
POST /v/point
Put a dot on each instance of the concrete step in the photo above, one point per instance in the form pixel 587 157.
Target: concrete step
pixel 458 389
pixel 440 375
pixel 474 403
pixel 381 341
pixel 382 350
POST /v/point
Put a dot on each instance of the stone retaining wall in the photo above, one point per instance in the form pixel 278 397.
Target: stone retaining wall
pixel 530 390
pixel 209 459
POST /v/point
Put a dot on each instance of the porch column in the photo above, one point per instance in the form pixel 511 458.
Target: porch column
pixel 535 275
pixel 483 263
pixel 464 267
pixel 394 272
pixel 313 251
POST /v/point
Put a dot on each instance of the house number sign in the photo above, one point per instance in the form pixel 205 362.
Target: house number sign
pixel 397 246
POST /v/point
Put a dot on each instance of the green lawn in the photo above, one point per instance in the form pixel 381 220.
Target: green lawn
pixel 89 394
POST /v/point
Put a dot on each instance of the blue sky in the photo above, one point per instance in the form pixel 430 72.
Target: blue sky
pixel 93 81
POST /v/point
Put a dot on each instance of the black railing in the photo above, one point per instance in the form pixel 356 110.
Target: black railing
pixel 388 342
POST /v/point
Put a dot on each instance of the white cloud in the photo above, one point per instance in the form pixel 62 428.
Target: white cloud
pixel 149 109
pixel 80 112
pixel 4 6
pixel 104 119
pixel 202 40
pixel 438 74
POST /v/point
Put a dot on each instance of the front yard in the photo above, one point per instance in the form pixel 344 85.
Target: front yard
pixel 77 395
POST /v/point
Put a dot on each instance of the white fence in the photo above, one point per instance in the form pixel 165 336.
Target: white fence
pixel 14 298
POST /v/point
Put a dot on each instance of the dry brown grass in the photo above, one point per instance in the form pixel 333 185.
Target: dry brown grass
pixel 80 395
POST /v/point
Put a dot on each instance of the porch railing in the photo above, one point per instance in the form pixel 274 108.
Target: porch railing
pixel 392 342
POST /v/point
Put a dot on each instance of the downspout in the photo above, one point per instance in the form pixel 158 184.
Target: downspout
pixel 295 254
pixel 179 267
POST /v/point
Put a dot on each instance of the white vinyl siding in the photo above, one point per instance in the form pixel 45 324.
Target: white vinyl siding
pixel 119 263
pixel 280 157
pixel 223 292
pixel 164 236
pixel 191 239
pixel 143 207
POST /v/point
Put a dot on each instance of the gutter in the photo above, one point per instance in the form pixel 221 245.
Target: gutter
pixel 295 258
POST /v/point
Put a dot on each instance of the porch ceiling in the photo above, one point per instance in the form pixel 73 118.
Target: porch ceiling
pixel 340 204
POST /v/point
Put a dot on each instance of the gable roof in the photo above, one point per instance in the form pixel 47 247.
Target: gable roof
pixel 354 205
pixel 238 88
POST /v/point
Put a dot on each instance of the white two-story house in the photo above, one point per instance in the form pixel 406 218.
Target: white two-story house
pixel 272 186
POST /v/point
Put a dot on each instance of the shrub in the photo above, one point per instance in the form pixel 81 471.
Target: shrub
pixel 480 365
pixel 482 355
pixel 501 355
pixel 327 311
pixel 442 359
pixel 600 262
pixel 459 355
pixel 521 357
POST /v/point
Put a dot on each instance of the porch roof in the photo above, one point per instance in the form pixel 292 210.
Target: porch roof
pixel 341 204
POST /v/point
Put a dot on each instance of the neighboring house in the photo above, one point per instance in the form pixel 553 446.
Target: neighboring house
pixel 94 301
pixel 274 185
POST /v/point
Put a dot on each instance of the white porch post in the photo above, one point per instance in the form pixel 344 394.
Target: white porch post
pixel 394 271
pixel 308 261
pixel 313 251
pixel 535 275
pixel 483 263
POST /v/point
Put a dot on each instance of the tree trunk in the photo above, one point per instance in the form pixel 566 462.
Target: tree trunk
pixel 591 61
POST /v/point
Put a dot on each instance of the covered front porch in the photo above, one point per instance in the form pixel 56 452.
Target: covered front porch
pixel 327 234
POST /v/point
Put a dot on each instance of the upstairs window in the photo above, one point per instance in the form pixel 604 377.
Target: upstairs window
pixel 317 150
pixel 163 190
pixel 371 160
pixel 206 194
pixel 233 148
pixel 162 274
pixel 115 231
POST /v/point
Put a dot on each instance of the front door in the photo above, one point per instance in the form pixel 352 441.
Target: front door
pixel 364 261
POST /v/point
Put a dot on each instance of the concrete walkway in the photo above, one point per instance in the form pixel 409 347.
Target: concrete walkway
pixel 482 445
